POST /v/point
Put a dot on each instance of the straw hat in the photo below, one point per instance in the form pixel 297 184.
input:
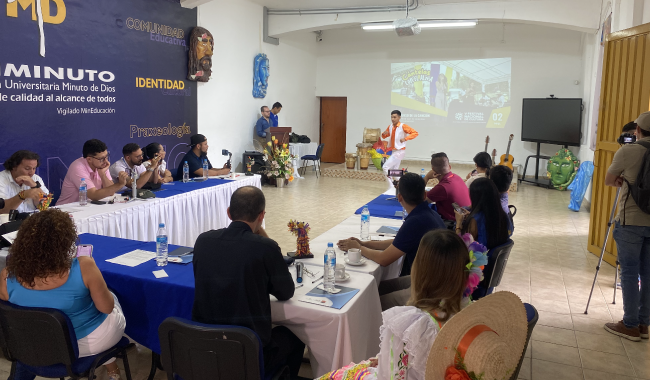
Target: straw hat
pixel 499 326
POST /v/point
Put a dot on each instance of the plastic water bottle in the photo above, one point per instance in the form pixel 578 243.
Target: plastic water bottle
pixel 365 223
pixel 161 245
pixel 205 169
pixel 134 184
pixel 186 172
pixel 83 193
pixel 422 173
pixel 330 268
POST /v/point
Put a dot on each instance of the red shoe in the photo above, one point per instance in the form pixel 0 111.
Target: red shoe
pixel 643 331
pixel 623 331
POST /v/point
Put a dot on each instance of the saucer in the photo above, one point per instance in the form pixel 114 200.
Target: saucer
pixel 361 262
pixel 344 279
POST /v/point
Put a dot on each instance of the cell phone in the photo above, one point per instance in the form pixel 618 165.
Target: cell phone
pixel 85 250
pixel 98 202
pixel 456 207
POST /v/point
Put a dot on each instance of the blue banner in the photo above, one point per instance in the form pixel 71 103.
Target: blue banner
pixel 73 70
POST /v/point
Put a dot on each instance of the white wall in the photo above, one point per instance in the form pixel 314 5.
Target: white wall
pixel 356 64
pixel 227 111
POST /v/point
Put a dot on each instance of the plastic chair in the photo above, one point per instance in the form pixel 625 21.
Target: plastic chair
pixel 196 351
pixel 42 342
pixel 315 158
pixel 493 272
pixel 532 316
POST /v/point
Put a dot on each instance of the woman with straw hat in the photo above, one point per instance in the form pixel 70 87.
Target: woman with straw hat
pixel 439 289
pixel 483 342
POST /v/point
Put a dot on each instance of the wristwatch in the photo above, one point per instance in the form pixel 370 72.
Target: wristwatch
pixel 38 185
pixel 150 170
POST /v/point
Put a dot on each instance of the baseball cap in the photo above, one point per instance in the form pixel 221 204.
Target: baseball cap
pixel 643 121
pixel 197 139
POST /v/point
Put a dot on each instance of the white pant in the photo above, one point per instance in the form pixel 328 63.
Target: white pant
pixel 394 160
pixel 105 335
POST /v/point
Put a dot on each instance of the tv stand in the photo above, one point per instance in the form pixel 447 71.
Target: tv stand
pixel 536 181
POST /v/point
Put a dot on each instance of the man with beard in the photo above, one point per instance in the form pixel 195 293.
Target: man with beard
pixel 132 161
pixel 93 168
pixel 195 158
pixel 200 62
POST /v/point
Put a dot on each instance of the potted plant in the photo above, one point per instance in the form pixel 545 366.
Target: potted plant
pixel 278 163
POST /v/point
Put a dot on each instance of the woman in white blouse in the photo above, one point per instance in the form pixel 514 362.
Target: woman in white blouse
pixel 439 277
pixel 151 151
pixel 483 163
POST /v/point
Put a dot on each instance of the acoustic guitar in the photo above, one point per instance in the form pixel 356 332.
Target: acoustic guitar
pixel 494 157
pixel 507 159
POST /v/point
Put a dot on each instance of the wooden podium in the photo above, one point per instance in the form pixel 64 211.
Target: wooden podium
pixel 282 134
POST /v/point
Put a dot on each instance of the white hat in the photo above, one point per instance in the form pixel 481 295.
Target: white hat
pixel 643 121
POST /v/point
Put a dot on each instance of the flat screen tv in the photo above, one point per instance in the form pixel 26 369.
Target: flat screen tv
pixel 552 121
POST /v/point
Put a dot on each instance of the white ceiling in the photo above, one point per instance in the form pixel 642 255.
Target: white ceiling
pixel 308 4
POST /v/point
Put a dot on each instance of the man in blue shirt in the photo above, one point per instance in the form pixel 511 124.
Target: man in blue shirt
pixel 195 158
pixel 263 125
pixel 420 220
pixel 277 107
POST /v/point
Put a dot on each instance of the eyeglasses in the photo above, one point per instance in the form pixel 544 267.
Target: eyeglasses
pixel 100 159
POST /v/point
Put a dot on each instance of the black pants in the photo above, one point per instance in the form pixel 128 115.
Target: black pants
pixel 285 349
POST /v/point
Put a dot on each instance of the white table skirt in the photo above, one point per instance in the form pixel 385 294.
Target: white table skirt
pixel 335 337
pixel 351 227
pixel 298 150
pixel 186 215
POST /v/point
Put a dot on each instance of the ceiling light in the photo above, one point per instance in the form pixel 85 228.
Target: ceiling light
pixel 388 25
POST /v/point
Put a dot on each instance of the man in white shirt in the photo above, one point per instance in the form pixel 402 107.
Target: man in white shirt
pixel 132 160
pixel 20 187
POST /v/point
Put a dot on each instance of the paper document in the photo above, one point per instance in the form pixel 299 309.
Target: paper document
pixel 10 236
pixel 318 296
pixel 160 273
pixel 133 258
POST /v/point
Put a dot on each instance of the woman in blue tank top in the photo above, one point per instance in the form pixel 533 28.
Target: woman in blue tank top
pixel 43 271
pixel 486 222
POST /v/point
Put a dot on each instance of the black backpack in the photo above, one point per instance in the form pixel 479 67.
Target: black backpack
pixel 640 190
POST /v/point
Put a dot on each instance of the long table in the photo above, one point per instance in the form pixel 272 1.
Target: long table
pixel 334 337
pixel 187 209
pixel 351 227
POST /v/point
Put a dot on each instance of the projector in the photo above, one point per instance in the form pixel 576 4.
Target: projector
pixel 407 26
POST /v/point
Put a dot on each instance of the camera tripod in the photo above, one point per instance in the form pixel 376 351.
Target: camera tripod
pixel 602 253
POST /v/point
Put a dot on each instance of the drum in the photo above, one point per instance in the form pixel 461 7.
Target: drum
pixel 371 135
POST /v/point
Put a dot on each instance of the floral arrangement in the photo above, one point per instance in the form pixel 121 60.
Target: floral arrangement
pixel 278 161
pixel 477 261
pixel 458 371
pixel 301 229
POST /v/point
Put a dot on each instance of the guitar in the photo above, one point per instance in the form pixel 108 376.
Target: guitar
pixel 507 159
pixel 487 141
pixel 494 157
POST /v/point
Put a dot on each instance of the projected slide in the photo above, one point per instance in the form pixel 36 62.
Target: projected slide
pixel 453 93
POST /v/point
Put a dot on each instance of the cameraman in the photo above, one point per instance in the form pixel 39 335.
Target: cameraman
pixel 632 236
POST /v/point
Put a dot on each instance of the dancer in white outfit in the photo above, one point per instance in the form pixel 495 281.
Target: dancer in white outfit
pixel 398 134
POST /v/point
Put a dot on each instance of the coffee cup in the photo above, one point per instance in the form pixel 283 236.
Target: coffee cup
pixel 354 255
pixel 339 271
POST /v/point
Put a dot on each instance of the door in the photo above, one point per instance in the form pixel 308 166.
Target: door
pixel 333 127
pixel 625 93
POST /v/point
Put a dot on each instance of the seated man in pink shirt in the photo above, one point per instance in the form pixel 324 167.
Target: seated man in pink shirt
pixel 93 167
pixel 451 188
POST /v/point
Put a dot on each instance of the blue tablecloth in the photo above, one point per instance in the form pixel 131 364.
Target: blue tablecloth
pixel 383 208
pixel 175 188
pixel 145 299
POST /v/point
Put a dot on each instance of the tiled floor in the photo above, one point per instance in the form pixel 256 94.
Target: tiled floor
pixel 549 267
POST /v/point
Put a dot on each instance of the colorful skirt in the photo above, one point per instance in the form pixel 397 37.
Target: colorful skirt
pixel 353 371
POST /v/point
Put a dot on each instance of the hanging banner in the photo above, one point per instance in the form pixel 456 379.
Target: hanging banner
pixel 74 70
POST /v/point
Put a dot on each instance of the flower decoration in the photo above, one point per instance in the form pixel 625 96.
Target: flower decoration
pixel 477 261
pixel 278 160
pixel 458 371
pixel 301 230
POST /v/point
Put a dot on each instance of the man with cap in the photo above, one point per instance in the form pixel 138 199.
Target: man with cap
pixel 195 157
pixel 632 236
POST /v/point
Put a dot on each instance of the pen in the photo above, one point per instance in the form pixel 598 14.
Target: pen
pixel 317 279
pixel 298 286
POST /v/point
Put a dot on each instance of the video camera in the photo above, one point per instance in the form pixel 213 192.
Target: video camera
pixel 626 138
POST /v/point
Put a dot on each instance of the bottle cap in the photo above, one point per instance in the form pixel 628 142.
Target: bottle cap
pixel 161 225
pixel 330 245
pixel 186 162
pixel 83 179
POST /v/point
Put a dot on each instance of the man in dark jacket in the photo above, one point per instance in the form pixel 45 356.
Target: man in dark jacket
pixel 235 271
